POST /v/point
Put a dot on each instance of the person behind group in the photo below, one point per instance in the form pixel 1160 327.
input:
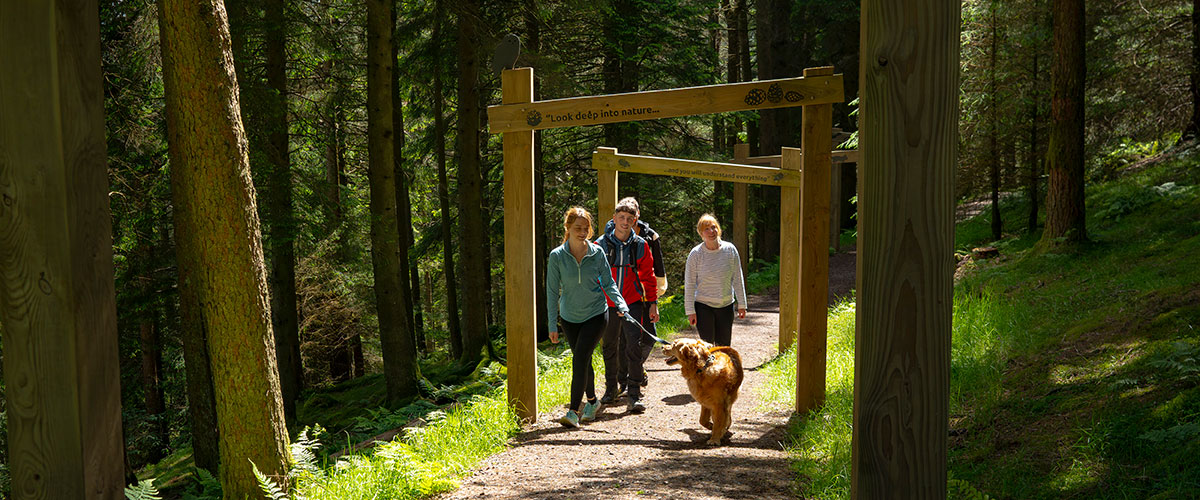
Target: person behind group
pixel 633 270
pixel 581 305
pixel 712 281
pixel 642 228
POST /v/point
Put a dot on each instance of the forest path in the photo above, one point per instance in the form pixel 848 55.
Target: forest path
pixel 661 453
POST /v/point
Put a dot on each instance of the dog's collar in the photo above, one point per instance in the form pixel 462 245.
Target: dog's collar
pixel 708 362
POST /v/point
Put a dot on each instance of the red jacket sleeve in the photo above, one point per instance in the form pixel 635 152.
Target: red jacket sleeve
pixel 645 275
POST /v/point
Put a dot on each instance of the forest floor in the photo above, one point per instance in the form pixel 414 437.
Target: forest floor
pixel 661 453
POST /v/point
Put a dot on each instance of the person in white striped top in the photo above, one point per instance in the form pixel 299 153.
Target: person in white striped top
pixel 712 282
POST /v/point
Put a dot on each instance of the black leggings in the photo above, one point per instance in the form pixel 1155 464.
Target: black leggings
pixel 583 337
pixel 715 324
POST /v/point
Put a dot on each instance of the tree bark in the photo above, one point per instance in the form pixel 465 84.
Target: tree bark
pixel 403 204
pixel 993 139
pixel 534 34
pixel 399 357
pixel 439 123
pixel 1032 188
pixel 223 283
pixel 265 113
pixel 282 226
pixel 148 340
pixel 1065 216
pixel 1193 127
pixel 472 230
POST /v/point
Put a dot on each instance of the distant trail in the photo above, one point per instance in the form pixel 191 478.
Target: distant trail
pixel 661 453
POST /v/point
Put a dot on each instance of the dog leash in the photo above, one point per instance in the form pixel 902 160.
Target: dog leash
pixel 629 317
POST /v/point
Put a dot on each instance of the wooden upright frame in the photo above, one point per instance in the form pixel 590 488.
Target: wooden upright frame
pixel 519 115
pixel 58 303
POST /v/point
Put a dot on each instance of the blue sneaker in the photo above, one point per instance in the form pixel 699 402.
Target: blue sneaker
pixel 589 411
pixel 571 419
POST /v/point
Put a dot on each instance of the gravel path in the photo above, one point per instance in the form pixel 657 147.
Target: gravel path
pixel 661 453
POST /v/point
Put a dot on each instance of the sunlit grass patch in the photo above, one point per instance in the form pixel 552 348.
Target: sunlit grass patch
pixel 426 461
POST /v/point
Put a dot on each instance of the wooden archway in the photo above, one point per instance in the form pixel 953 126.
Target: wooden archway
pixel 519 115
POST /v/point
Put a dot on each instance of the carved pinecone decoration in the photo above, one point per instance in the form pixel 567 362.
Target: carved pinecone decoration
pixel 533 118
pixel 793 96
pixel 775 93
pixel 755 97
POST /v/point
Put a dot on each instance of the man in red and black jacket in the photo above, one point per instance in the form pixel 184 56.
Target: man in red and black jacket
pixel 633 269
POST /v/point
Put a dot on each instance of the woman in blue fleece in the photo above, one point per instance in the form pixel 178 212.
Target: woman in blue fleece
pixel 581 304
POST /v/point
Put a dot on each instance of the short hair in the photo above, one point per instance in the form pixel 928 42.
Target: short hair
pixel 574 213
pixel 627 205
pixel 708 220
pixel 629 200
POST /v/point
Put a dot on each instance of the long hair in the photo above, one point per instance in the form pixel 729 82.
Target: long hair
pixel 575 213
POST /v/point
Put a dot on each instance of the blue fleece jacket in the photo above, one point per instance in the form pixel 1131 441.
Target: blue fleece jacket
pixel 581 298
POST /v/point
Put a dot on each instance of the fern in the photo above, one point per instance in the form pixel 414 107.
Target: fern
pixel 143 490
pixel 210 486
pixel 959 489
pixel 267 485
pixel 304 452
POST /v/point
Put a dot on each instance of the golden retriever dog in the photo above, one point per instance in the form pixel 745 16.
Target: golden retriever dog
pixel 713 374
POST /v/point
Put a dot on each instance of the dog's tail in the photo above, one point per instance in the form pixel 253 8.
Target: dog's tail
pixel 733 356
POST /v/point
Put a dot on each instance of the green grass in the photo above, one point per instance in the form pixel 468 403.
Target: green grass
pixel 1073 374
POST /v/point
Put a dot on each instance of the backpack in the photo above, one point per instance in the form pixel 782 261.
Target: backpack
pixel 635 251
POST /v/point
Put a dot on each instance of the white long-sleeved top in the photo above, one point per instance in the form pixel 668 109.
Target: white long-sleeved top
pixel 713 277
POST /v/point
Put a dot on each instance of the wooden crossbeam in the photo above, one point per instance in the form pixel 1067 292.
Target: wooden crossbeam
pixel 606 159
pixel 836 156
pixel 654 104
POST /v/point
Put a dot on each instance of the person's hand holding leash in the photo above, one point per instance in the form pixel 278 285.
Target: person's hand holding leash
pixel 553 337
pixel 654 313
pixel 742 312
pixel 692 319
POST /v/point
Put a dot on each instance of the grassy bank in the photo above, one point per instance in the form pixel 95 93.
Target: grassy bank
pixel 1073 374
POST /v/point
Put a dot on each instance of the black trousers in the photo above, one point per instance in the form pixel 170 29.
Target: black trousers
pixel 583 337
pixel 715 324
pixel 626 349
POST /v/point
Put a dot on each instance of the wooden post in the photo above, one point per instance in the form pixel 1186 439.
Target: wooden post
pixel 741 233
pixel 607 202
pixel 909 140
pixel 814 251
pixel 519 279
pixel 57 305
pixel 789 254
pixel 835 206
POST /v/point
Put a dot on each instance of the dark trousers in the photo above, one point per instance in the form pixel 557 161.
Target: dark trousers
pixel 626 349
pixel 715 324
pixel 583 337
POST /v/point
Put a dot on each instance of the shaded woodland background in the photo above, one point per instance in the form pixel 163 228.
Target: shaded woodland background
pixel 302 73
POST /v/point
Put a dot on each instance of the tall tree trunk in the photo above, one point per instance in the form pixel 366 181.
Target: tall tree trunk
pixel 1065 217
pixel 775 125
pixel 223 283
pixel 403 203
pixel 1193 127
pixel 533 32
pixel 620 72
pixel 399 356
pixel 1032 189
pixel 265 113
pixel 148 340
pixel 733 67
pixel 282 224
pixel 747 70
pixel 472 230
pixel 993 140
pixel 439 123
pixel 714 38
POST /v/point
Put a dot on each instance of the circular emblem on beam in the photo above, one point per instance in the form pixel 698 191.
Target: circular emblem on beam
pixel 533 118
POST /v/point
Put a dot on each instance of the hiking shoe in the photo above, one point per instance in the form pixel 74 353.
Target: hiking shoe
pixel 589 411
pixel 637 406
pixel 610 396
pixel 571 419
